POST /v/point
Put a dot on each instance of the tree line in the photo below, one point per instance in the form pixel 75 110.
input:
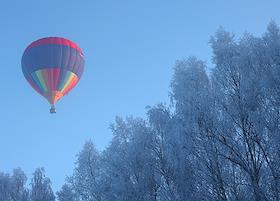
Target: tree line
pixel 218 140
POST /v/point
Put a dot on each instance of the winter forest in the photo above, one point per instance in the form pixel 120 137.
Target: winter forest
pixel 218 140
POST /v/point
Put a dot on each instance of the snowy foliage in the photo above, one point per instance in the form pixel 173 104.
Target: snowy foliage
pixel 41 187
pixel 221 142
pixel 14 188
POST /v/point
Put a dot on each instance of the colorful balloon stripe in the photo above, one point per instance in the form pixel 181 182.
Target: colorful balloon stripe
pixel 42 80
pixel 64 81
pixel 72 84
pixel 38 82
pixel 49 80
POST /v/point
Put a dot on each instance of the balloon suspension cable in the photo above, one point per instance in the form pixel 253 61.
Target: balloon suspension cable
pixel 52 110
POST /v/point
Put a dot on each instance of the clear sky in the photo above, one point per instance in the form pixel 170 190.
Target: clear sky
pixel 130 48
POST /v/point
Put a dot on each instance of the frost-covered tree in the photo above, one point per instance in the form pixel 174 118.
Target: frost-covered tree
pixel 235 81
pixel 173 160
pixel 245 97
pixel 86 177
pixel 12 187
pixel 129 162
pixel 271 103
pixel 18 190
pixel 193 98
pixel 41 187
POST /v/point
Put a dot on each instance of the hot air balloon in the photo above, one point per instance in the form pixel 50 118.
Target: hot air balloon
pixel 53 66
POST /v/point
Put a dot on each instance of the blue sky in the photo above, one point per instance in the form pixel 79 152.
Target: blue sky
pixel 130 49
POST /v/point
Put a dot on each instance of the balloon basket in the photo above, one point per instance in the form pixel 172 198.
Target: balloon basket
pixel 52 110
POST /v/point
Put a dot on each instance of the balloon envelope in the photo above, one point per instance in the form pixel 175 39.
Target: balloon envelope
pixel 53 66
